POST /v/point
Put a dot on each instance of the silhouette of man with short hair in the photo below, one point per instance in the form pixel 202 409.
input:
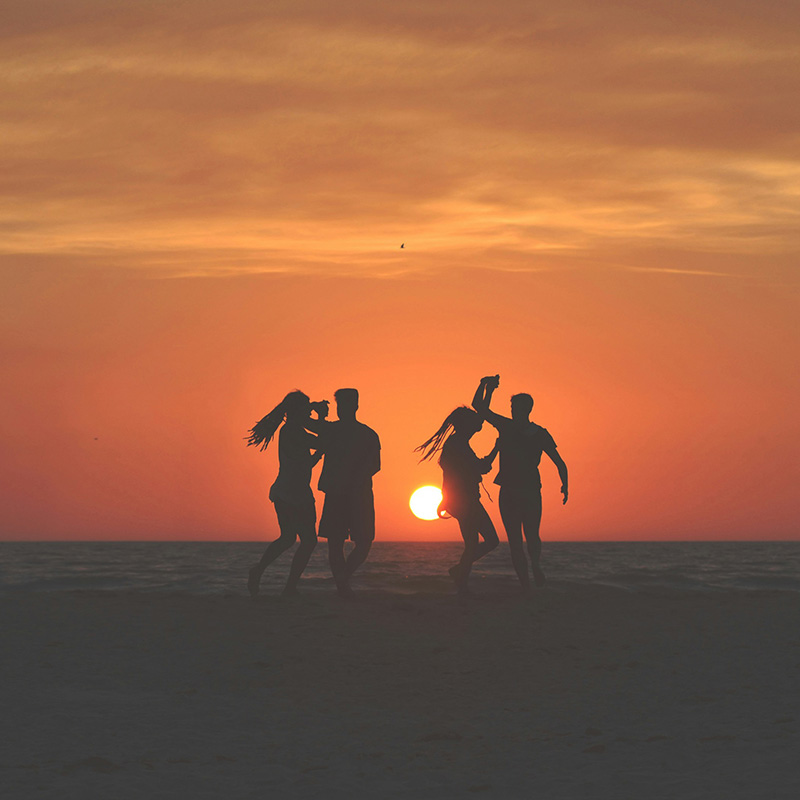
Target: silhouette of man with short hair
pixel 352 456
pixel 521 444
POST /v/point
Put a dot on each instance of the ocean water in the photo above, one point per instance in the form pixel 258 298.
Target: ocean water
pixel 402 567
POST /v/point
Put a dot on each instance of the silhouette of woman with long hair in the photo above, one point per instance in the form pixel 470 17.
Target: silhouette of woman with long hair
pixel 291 493
pixel 461 478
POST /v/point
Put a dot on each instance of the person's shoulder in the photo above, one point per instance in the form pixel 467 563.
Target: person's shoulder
pixel 367 431
pixel 541 433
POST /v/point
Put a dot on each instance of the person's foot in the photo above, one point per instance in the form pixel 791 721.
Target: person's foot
pixel 457 574
pixel 290 591
pixel 345 591
pixel 538 576
pixel 253 580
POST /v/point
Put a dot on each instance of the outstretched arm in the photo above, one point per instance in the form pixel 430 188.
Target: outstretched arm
pixel 555 457
pixel 482 398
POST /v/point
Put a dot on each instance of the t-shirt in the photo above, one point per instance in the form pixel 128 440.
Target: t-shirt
pixel 293 484
pixel 521 451
pixel 352 456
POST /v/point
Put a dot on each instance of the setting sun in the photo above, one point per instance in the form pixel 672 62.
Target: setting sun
pixel 425 502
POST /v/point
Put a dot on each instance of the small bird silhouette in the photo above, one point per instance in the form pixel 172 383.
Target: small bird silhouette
pixel 402 245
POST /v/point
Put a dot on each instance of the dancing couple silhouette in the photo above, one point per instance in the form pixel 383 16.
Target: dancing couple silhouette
pixel 351 453
pixel 520 444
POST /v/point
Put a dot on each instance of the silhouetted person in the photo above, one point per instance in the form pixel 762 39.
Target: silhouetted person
pixel 461 478
pixel 291 493
pixel 521 443
pixel 352 456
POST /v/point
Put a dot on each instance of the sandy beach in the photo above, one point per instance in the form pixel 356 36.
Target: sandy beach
pixel 576 692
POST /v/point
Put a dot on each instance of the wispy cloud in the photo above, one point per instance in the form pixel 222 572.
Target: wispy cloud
pixel 313 138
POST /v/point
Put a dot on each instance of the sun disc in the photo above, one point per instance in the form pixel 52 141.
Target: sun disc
pixel 425 501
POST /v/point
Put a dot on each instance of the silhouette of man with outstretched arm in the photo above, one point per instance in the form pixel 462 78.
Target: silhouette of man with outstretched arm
pixel 352 456
pixel 521 444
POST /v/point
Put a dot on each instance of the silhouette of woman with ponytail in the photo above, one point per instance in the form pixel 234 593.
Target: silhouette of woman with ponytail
pixel 461 478
pixel 291 493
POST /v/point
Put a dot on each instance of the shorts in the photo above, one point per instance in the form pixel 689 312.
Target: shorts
pixel 349 515
pixel 523 505
pixel 300 520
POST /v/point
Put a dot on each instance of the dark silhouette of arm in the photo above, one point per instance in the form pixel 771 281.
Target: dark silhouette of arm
pixel 318 425
pixel 555 457
pixel 315 444
pixel 376 456
pixel 482 399
pixel 488 460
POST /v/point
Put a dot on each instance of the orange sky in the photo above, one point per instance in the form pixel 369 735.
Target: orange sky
pixel 201 207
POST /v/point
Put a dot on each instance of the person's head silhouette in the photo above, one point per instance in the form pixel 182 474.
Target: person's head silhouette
pixel 346 403
pixel 521 407
pixel 294 408
pixel 462 421
pixel 296 405
pixel 465 421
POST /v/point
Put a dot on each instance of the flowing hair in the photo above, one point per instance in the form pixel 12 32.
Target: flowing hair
pixel 452 422
pixel 262 432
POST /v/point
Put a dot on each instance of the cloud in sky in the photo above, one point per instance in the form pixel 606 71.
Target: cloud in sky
pixel 200 137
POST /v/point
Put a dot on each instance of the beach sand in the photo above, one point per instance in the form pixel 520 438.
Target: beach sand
pixel 577 692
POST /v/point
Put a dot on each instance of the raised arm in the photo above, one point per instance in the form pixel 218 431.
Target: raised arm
pixel 479 399
pixel 320 408
pixel 482 399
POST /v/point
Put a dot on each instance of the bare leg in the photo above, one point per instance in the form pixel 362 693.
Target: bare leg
pixel 460 572
pixel 299 563
pixel 531 521
pixel 476 522
pixel 362 532
pixel 512 522
pixel 338 565
pixel 306 526
pixel 292 520
pixel 487 532
pixel 275 549
pixel 287 523
pixel 356 557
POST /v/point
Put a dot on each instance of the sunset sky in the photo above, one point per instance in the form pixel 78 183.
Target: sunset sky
pixel 202 206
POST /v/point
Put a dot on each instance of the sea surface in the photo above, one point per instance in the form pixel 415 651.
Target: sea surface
pixel 402 567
